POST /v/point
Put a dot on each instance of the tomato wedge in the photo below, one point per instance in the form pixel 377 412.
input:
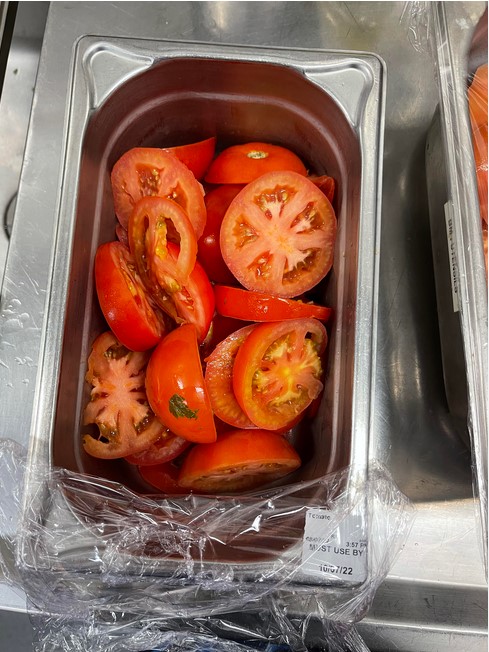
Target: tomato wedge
pixel 148 171
pixel 126 306
pixel 164 449
pixel 148 228
pixel 176 388
pixel 257 306
pixel 278 235
pixel 219 380
pixel 118 404
pixel 217 202
pixel 163 477
pixel 196 156
pixel 239 460
pixel 245 163
pixel 277 371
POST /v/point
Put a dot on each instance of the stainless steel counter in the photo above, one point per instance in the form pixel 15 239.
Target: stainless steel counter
pixel 435 596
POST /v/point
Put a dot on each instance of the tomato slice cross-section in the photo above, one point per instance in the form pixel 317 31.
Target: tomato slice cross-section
pixel 278 235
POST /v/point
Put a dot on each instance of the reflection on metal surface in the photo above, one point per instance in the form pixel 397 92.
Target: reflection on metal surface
pixel 414 435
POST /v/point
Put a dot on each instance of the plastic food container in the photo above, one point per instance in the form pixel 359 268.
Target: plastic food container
pixel 328 107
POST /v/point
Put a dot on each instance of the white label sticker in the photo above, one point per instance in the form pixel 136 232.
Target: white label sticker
pixel 341 554
pixel 452 256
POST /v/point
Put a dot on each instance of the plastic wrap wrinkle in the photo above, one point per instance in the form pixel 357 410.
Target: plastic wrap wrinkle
pixel 92 550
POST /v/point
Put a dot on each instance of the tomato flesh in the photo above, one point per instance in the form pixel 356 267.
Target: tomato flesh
pixel 148 171
pixel 278 235
pixel 277 371
pixel 166 448
pixel 118 405
pixel 245 163
pixel 176 388
pixel 261 307
pixel 124 301
pixel 219 380
pixel 239 460
pixel 163 477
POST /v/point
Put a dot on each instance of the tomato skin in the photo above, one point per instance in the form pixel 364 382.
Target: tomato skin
pixel 123 299
pixel 260 307
pixel 217 202
pixel 150 171
pixel 118 404
pixel 245 163
pixel 239 460
pixel 166 448
pixel 196 156
pixel 163 477
pixel 277 370
pixel 326 185
pixel 278 235
pixel 219 380
pixel 176 388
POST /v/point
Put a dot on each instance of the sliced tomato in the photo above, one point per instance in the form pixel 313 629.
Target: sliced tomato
pixel 196 156
pixel 245 163
pixel 277 371
pixel 238 461
pixel 118 404
pixel 257 306
pixel 163 477
pixel 176 388
pixel 166 448
pixel 477 97
pixel 217 202
pixel 219 380
pixel 278 235
pixel 219 329
pixel 148 228
pixel 326 185
pixel 126 306
pixel 479 141
pixel 148 171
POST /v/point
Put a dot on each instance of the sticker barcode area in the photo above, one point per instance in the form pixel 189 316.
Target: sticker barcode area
pixel 452 256
pixel 341 553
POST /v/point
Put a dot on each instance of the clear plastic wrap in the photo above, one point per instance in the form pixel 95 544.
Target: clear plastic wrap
pixel 457 185
pixel 117 561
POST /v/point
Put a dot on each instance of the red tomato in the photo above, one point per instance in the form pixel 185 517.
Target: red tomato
pixel 277 371
pixel 219 380
pixel 245 163
pixel 256 306
pixel 239 460
pixel 196 156
pixel 194 302
pixel 148 227
pixel 163 477
pixel 176 388
pixel 217 202
pixel 477 96
pixel 278 235
pixel 219 329
pixel 479 140
pixel 147 171
pixel 123 299
pixel 164 449
pixel 118 404
pixel 326 185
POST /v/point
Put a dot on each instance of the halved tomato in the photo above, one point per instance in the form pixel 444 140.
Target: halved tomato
pixel 219 380
pixel 118 404
pixel 245 163
pixel 196 156
pixel 277 371
pixel 147 171
pixel 163 477
pixel 129 311
pixel 148 228
pixel 278 235
pixel 257 306
pixel 326 185
pixel 217 202
pixel 238 461
pixel 176 388
pixel 164 449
